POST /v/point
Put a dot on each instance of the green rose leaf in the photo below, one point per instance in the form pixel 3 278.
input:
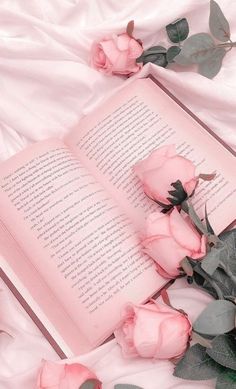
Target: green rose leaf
pixel 212 65
pixel 178 31
pixel 218 23
pixel 226 380
pixel 216 319
pixel 198 48
pixel 89 384
pixel 197 365
pixel 172 52
pixel 223 351
pixel 126 386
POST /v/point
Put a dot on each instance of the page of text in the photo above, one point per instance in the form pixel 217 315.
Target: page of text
pixel 76 236
pixel 138 120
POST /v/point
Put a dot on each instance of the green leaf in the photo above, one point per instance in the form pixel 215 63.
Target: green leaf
pixel 216 319
pixel 228 261
pixel 208 224
pixel 89 384
pixel 155 54
pixel 226 380
pixel 218 23
pixel 198 48
pixel 197 365
pixel 180 59
pixel 212 65
pixel 126 386
pixel 212 260
pixel 223 351
pixel 178 31
pixel 172 52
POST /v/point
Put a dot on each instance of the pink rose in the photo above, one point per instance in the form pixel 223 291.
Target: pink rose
pixel 162 168
pixel 169 239
pixel 64 376
pixel 116 55
pixel 153 330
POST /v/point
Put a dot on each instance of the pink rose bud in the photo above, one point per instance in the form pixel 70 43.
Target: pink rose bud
pixel 116 55
pixel 153 330
pixel 59 376
pixel 162 168
pixel 169 239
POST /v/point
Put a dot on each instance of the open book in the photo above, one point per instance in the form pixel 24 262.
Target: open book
pixel 72 211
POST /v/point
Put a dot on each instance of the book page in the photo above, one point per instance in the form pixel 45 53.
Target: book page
pixel 134 122
pixel 76 236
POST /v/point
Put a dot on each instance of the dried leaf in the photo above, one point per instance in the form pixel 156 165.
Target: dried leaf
pixel 198 48
pixel 207 177
pixel 218 23
pixel 130 28
pixel 178 31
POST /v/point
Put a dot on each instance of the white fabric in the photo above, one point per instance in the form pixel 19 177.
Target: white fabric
pixel 46 86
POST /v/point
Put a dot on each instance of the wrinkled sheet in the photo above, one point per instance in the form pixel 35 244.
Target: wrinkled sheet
pixel 46 87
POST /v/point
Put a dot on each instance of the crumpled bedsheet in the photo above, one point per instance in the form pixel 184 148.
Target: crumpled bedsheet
pixel 47 85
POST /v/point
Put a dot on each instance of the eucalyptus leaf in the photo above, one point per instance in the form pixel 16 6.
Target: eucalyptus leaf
pixel 221 281
pixel 226 380
pixel 180 59
pixel 155 54
pixel 228 262
pixel 218 23
pixel 89 384
pixel 216 319
pixel 151 51
pixel 178 31
pixel 223 351
pixel 198 48
pixel 208 224
pixel 126 386
pixel 172 52
pixel 156 50
pixel 212 260
pixel 212 65
pixel 197 365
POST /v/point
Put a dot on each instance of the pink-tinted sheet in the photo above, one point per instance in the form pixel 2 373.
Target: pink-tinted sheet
pixel 46 87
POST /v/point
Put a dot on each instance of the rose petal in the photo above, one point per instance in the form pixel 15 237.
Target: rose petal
pixel 154 161
pixel 167 253
pixel 157 223
pixel 123 41
pixel 184 235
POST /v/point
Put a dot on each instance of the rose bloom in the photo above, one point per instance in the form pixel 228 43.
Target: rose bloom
pixel 162 168
pixel 169 239
pixel 64 376
pixel 116 55
pixel 153 330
